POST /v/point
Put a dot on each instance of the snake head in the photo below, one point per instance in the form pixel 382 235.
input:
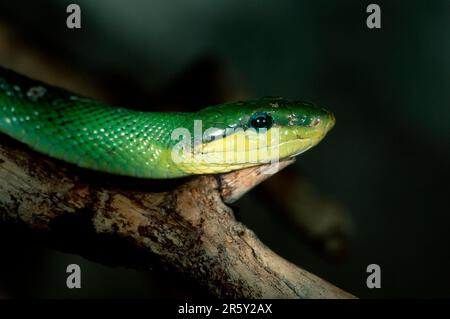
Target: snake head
pixel 247 133
pixel 299 125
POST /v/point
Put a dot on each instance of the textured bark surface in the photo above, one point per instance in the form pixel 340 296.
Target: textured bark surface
pixel 189 229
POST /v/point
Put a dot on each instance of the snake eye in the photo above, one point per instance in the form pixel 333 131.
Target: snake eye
pixel 261 120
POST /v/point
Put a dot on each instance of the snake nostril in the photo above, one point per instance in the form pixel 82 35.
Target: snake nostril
pixel 316 122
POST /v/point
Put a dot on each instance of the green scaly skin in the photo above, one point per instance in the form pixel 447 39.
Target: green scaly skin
pixel 94 135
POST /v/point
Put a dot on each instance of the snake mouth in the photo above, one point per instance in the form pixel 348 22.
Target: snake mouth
pixel 300 151
pixel 254 154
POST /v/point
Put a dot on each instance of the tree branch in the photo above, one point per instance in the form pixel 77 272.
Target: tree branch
pixel 189 229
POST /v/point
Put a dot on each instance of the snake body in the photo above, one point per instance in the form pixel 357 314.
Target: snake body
pixel 117 140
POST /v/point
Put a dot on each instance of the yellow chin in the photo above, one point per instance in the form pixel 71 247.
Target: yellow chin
pixel 239 151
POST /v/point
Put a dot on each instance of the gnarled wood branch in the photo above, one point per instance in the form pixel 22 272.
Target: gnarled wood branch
pixel 189 229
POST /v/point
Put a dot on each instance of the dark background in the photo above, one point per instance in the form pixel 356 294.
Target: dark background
pixel 387 160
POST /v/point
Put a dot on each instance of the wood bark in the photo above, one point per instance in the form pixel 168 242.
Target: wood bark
pixel 189 229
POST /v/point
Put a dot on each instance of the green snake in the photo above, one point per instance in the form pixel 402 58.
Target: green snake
pixel 117 140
